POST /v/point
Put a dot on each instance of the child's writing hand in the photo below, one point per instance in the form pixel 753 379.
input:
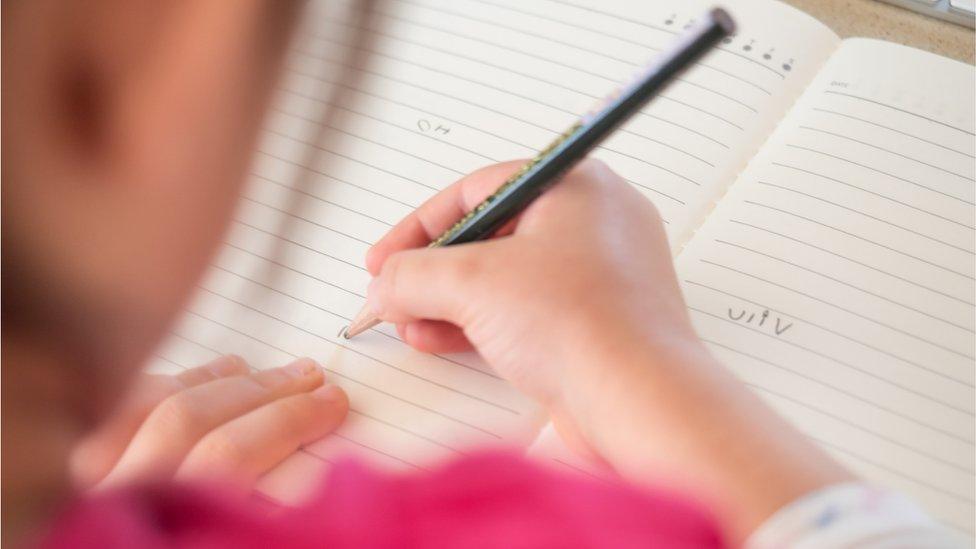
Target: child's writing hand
pixel 584 272
pixel 578 305
pixel 217 419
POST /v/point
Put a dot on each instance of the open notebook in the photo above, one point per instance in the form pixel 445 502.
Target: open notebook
pixel 819 196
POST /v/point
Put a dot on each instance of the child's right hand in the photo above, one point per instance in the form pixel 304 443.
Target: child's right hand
pixel 577 304
pixel 583 274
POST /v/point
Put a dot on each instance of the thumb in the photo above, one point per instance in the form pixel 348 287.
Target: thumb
pixel 433 283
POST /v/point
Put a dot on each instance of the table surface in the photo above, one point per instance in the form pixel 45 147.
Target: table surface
pixel 874 19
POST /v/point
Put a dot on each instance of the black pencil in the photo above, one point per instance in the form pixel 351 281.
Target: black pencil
pixel 513 196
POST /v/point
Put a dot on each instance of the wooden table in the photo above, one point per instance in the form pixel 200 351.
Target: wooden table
pixel 873 19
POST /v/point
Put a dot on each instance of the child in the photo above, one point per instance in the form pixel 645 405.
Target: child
pixel 127 127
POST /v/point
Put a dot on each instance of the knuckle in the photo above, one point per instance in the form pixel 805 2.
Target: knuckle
pixel 391 267
pixel 593 176
pixel 236 364
pixel 297 412
pixel 594 166
pixel 270 379
pixel 223 447
pixel 464 268
pixel 160 388
pixel 651 209
pixel 391 276
pixel 176 414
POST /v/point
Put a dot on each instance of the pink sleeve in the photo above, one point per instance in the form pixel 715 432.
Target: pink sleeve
pixel 489 500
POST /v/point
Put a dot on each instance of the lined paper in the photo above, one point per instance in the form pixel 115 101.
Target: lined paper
pixel 484 81
pixel 837 276
pixel 448 87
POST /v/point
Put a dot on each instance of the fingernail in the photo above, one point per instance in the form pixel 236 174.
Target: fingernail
pixel 229 364
pixel 301 367
pixel 329 392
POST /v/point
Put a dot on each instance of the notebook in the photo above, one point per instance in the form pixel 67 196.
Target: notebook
pixel 818 195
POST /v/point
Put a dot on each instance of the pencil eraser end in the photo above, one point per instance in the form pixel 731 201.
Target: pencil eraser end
pixel 724 20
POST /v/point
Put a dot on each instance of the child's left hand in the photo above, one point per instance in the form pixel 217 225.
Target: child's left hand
pixel 219 419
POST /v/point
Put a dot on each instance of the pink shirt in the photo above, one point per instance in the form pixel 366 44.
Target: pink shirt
pixel 488 500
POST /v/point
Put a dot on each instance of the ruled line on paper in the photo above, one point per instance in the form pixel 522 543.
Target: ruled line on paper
pixel 196 343
pixel 889 128
pixel 882 172
pixel 312 454
pixel 299 244
pixel 508 91
pixel 303 273
pixel 340 374
pixel 173 362
pixel 840 362
pixel 343 131
pixel 549 17
pixel 578 469
pixel 413 130
pixel 320 199
pixel 459 99
pixel 900 252
pixel 356 160
pixel 328 175
pixel 893 471
pixel 528 148
pixel 848 284
pixel 247 198
pixel 852 260
pixel 408 431
pixel 632 64
pixel 631 181
pixel 873 193
pixel 809 322
pixel 914 449
pixel 834 305
pixel 667 31
pixel 372 73
pixel 843 391
pixel 906 111
pixel 555 132
pixel 609 79
pixel 349 348
pixel 367 93
pixel 380 452
pixel 896 153
pixel 344 182
pixel 867 215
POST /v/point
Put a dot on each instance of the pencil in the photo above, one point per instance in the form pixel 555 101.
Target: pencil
pixel 515 194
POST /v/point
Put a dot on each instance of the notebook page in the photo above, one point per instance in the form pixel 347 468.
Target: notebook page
pixel 487 80
pixel 450 87
pixel 837 276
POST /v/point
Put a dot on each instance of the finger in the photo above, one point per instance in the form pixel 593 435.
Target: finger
pixel 180 421
pixel 432 336
pixel 227 365
pixel 402 292
pixel 95 456
pixel 246 447
pixel 438 213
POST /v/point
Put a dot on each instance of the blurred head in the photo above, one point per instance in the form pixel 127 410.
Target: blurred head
pixel 127 127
